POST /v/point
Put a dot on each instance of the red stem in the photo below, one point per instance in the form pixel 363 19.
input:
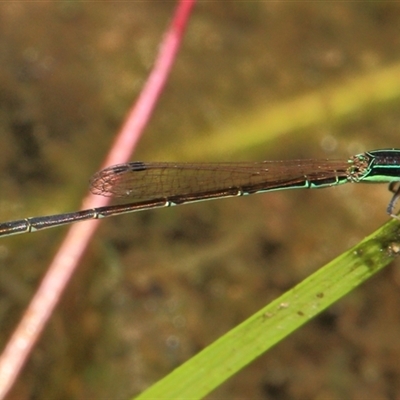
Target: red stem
pixel 78 237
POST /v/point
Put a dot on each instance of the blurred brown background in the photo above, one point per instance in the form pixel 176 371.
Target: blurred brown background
pixel 157 287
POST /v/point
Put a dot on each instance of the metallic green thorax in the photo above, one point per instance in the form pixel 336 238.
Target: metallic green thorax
pixel 378 166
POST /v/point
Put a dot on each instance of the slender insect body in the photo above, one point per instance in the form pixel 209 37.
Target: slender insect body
pixel 156 185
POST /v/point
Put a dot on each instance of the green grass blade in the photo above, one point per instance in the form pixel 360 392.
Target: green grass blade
pixel 243 344
pixel 334 103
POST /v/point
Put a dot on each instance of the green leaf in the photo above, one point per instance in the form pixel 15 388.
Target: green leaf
pixel 243 344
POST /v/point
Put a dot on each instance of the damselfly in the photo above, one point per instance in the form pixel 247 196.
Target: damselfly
pixel 165 184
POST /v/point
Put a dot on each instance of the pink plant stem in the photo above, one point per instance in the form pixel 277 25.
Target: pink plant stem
pixel 68 256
